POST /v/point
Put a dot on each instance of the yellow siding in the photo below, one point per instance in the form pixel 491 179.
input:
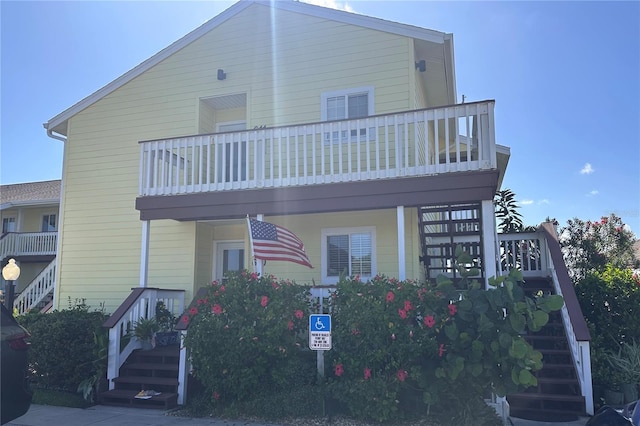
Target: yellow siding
pixel 285 69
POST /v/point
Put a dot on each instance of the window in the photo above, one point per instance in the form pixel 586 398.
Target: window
pixel 348 251
pixel 48 223
pixel 347 104
pixel 8 224
pixel 229 257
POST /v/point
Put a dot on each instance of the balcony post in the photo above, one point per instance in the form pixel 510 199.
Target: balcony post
pixel 401 252
pixel 144 253
pixel 489 240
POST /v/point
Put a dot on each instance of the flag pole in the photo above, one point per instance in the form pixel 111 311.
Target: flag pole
pixel 257 263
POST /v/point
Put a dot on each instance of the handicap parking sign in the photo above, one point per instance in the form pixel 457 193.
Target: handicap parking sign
pixel 320 332
pixel 320 322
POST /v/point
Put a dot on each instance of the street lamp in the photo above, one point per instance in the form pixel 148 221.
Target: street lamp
pixel 10 273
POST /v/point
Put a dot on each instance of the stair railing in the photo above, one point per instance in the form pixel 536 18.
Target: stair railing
pixel 141 303
pixel 42 286
pixel 574 323
pixel 524 251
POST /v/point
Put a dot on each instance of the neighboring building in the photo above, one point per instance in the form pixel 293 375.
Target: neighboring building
pixel 29 214
pixel 343 128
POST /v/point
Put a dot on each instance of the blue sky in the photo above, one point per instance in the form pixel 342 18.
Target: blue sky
pixel 565 77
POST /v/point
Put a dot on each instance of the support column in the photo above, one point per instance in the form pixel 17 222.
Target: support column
pixel 144 253
pixel 402 273
pixel 489 241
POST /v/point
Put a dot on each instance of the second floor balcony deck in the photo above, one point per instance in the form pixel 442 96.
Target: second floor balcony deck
pixel 413 143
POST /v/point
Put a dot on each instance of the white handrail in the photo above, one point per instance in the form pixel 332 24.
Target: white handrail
pixel 142 306
pixel 37 290
pixel 525 251
pixel 28 244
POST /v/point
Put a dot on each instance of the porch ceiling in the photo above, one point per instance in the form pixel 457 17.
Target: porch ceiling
pixel 335 197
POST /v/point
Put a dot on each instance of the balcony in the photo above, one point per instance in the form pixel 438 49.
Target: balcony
pixel 414 143
pixel 20 244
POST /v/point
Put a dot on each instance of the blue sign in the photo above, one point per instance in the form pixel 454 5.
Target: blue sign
pixel 320 323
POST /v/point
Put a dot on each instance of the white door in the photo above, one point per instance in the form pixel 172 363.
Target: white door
pixel 229 257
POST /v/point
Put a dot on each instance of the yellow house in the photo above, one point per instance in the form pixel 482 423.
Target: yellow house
pixel 343 128
pixel 29 214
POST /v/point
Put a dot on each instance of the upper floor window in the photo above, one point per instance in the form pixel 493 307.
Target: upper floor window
pixel 347 104
pixel 348 251
pixel 8 224
pixel 49 223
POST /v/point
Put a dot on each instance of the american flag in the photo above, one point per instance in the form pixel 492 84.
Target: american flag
pixel 273 242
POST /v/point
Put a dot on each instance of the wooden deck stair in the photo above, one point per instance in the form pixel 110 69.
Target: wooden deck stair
pixel 155 369
pixel 557 396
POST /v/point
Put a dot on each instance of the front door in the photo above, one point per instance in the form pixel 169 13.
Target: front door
pixel 229 258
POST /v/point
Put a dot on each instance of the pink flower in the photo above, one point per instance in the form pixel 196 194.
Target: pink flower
pixel 214 282
pixel 402 313
pixel 221 289
pixel 441 350
pixel 357 278
pixel 355 332
pixel 274 285
pixel 264 301
pixel 216 309
pixel 402 375
pixel 216 396
pixel 299 314
pixel 200 301
pixel 185 319
pixel 390 296
pixel 290 325
pixel 452 309
pixel 407 305
pixel 193 310
pixel 254 276
pixel 339 370
pixel 429 321
pixel 367 373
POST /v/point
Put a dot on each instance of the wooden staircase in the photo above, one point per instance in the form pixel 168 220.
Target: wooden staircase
pixel 155 369
pixel 557 396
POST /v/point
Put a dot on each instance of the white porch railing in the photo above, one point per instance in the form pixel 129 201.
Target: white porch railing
pixel 523 251
pixel 42 286
pixel 141 303
pixel 28 244
pixel 413 143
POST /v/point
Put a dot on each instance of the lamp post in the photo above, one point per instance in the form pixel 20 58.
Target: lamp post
pixel 10 273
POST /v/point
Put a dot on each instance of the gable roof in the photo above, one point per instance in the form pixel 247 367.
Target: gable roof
pixel 30 193
pixel 57 126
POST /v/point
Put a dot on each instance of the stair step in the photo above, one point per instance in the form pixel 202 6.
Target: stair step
pixel 557 380
pixel 149 366
pixel 547 415
pixel 146 380
pixel 545 397
pixel 123 397
pixel 543 337
pixel 554 351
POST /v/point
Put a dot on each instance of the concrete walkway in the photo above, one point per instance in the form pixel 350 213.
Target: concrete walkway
pixel 102 415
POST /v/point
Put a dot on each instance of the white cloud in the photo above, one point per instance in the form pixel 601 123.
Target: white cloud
pixel 592 193
pixel 587 169
pixel 526 202
pixel 543 201
pixel 333 4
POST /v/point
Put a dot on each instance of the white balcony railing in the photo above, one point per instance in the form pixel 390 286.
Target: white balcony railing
pixel 28 244
pixel 413 143
pixel 41 287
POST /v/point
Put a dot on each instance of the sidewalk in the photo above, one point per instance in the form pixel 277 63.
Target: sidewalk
pixel 101 415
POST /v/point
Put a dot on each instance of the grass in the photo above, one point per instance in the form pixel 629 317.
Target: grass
pixel 59 398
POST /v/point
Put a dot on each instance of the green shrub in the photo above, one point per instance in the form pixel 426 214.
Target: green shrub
pixel 63 346
pixel 401 347
pixel 246 337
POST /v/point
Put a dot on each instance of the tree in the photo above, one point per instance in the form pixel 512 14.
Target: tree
pixel 590 246
pixel 510 219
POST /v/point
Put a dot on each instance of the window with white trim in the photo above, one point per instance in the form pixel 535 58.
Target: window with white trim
pixel 348 251
pixel 8 224
pixel 236 169
pixel 347 104
pixel 48 223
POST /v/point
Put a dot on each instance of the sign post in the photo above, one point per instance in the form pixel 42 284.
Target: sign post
pixel 320 339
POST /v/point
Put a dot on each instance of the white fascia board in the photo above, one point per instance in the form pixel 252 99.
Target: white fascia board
pixel 39 203
pixel 146 65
